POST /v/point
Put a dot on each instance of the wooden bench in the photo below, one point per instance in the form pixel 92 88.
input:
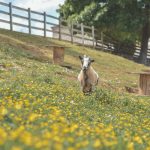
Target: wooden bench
pixel 144 82
pixel 58 53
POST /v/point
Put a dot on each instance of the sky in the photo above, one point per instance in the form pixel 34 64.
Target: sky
pixel 48 6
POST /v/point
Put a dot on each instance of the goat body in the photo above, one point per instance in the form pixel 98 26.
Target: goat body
pixel 88 79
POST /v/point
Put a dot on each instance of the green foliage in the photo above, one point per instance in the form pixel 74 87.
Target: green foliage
pixel 121 20
pixel 122 15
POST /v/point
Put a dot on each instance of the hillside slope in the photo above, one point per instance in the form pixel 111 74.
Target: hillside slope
pixel 42 107
pixel 113 70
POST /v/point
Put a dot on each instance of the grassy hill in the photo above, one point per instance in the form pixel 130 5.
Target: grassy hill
pixel 42 107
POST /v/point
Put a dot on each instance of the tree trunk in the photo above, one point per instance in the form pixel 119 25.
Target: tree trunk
pixel 145 37
pixel 144 45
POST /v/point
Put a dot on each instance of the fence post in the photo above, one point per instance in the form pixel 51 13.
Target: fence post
pixel 93 36
pixel 71 32
pixel 60 28
pixel 44 24
pixel 102 40
pixel 10 14
pixel 82 33
pixel 29 20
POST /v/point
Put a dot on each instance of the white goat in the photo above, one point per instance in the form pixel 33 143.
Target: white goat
pixel 87 76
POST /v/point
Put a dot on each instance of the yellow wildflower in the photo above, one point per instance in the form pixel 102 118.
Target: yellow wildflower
pixel 4 111
pixel 97 143
pixel 32 117
pixel 138 139
pixel 3 136
pixel 130 146
pixel 18 106
pixel 16 148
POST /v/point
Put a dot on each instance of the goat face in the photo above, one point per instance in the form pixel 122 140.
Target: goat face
pixel 86 62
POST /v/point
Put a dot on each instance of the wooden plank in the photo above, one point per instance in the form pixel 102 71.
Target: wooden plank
pixel 58 55
pixel 10 16
pixel 148 86
pixel 75 36
pixel 36 12
pixel 88 39
pixel 146 70
pixel 18 16
pixel 64 26
pixel 82 32
pixel 37 28
pixel 144 73
pixel 88 33
pixel 140 85
pixel 37 20
pixel 77 30
pixel 59 28
pixel 93 36
pixel 5 21
pixel 87 27
pixel 63 33
pixel 16 7
pixel 76 24
pixel 102 40
pixel 29 20
pixel 138 47
pixel 71 32
pixel 44 24
pixel 52 17
pixel 19 24
pixel 51 31
pixel 4 12
pixel 54 24
pixel 4 4
pixel 144 84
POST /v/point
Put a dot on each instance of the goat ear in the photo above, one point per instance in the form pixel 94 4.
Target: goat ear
pixel 92 60
pixel 80 57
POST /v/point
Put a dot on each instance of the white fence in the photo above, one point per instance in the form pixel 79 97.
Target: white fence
pixel 32 22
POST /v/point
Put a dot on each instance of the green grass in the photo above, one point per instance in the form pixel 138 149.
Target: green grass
pixel 113 70
pixel 42 107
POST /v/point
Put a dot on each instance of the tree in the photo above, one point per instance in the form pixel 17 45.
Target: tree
pixel 145 34
pixel 127 20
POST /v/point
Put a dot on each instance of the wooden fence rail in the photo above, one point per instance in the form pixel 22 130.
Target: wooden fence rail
pixel 72 34
pixel 58 28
